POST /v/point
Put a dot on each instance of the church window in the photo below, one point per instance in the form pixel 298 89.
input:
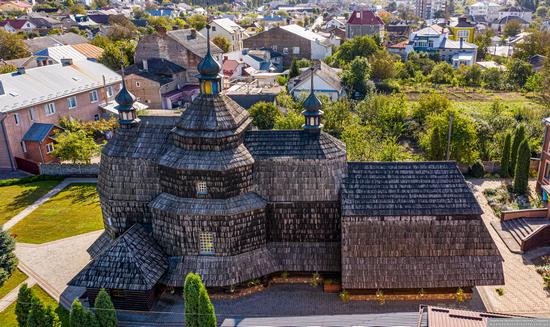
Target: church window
pixel 201 188
pixel 206 243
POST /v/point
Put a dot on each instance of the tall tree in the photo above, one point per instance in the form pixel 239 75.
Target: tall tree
pixel 23 304
pixel 191 290
pixel 519 135
pixel 222 42
pixel 356 77
pixel 76 147
pixel 8 261
pixel 265 114
pixel 197 21
pixel 207 317
pixel 78 317
pixel 105 310
pixel 505 160
pixel 521 175
pixel 12 46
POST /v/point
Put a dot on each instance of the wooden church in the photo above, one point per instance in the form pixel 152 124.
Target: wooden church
pixel 205 193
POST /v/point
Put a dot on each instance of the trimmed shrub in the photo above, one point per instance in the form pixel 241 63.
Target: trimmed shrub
pixel 207 317
pixel 521 174
pixel 477 170
pixel 105 310
pixel 191 290
pixel 519 135
pixel 505 160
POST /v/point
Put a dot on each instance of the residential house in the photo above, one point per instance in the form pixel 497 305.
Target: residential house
pixel 364 22
pixel 44 95
pixel 490 64
pixel 427 9
pixel 396 32
pixel 14 6
pixel 185 47
pixel 326 82
pixel 170 13
pixel 462 29
pixel 537 62
pixel 227 28
pixel 246 94
pixel 43 23
pixel 43 42
pixel 232 68
pixel 336 22
pixel 487 11
pixel 436 42
pixel 295 42
pixel 55 55
pixel 514 11
pixel 159 83
pixel 17 25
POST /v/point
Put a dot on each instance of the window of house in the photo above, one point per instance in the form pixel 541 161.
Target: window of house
pixel 72 102
pixel 463 34
pixel 94 96
pixel 49 148
pixel 285 50
pixel 138 84
pixel 32 114
pixel 206 243
pixel 109 91
pixel 547 171
pixel 296 50
pixel 274 47
pixel 201 187
pixel 49 108
pixel 23 147
pixel 213 28
pixel 16 118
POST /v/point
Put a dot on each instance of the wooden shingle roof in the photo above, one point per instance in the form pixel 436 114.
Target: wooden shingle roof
pixel 406 188
pixel 132 262
pixel 209 207
pixel 295 144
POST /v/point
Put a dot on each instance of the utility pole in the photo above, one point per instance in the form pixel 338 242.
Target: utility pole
pixel 448 153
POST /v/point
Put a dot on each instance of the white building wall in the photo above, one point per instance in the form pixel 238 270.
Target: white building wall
pixel 320 51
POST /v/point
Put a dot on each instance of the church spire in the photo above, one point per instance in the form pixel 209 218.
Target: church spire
pixel 127 115
pixel 209 71
pixel 312 109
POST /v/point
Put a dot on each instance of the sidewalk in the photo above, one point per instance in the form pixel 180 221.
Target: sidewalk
pixel 17 218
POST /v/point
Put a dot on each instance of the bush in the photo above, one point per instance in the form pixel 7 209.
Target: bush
pixel 264 114
pixel 199 311
pixel 460 295
pixel 344 296
pixel 500 291
pixel 519 136
pixel 30 179
pixel 477 170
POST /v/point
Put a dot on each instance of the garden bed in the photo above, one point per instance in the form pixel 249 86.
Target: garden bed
pixel 503 199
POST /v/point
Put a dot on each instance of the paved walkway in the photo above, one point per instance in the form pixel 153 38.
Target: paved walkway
pixel 7 300
pixel 524 292
pixel 17 218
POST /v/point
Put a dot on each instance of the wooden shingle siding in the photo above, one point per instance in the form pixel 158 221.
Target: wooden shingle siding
pixel 306 256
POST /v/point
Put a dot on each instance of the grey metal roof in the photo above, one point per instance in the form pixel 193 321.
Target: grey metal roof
pixel 196 45
pixel 47 83
pixel 38 132
pixel 406 188
pixel 39 43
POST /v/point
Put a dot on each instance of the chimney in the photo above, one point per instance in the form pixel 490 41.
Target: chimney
pixel 66 61
pixel 21 70
pixel 145 65
pixel 193 34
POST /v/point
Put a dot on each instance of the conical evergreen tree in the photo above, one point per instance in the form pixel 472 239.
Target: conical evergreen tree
pixel 105 310
pixel 519 135
pixel 89 319
pixel 191 292
pixel 521 175
pixel 77 317
pixel 505 159
pixel 8 261
pixel 23 305
pixel 38 314
pixel 51 318
pixel 207 317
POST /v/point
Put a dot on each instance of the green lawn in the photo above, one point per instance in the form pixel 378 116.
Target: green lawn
pixel 15 198
pixel 8 319
pixel 15 279
pixel 73 211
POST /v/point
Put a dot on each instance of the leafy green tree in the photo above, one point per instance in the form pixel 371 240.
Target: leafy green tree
pixel 337 116
pixel 463 136
pixel 12 46
pixel 160 23
pixel 207 317
pixel 469 75
pixel 98 4
pixel 505 160
pixel 23 304
pixel 360 142
pixel 428 104
pixel 264 114
pixel 383 66
pixel 8 68
pixel 512 28
pixel 521 174
pixel 519 136
pixel 291 120
pixel 222 43
pixel 483 42
pixel 419 62
pixel 391 150
pixel 41 315
pixel 535 83
pixel 442 73
pixel 518 72
pixel 294 69
pixel 78 9
pixel 493 78
pixel 76 147
pixel 359 46
pixel 356 76
pixel 105 310
pixel 8 260
pixel 191 291
pixel 437 145
pixel 197 21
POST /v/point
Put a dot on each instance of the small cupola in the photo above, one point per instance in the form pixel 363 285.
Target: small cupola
pixel 209 71
pixel 127 114
pixel 312 109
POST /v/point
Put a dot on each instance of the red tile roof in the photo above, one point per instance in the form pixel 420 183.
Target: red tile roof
pixel 16 23
pixel 364 17
pixel 400 45
pixel 229 66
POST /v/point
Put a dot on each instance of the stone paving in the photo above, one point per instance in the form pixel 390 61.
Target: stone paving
pixel 524 292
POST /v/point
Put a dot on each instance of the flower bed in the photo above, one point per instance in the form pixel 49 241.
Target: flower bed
pixel 503 199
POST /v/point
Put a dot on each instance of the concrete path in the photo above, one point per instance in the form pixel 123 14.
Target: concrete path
pixel 17 218
pixel 7 300
pixel 524 292
pixel 54 264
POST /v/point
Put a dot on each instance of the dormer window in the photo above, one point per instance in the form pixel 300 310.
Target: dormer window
pixel 201 188
pixel 206 243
